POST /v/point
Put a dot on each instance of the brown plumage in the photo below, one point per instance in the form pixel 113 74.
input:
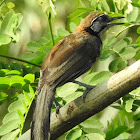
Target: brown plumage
pixel 70 57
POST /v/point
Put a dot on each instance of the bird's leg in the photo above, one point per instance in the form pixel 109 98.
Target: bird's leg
pixel 88 88
pixel 57 105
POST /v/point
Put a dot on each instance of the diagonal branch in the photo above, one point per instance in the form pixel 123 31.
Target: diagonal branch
pixel 99 98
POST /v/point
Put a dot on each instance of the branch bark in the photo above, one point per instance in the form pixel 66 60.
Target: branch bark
pixel 97 99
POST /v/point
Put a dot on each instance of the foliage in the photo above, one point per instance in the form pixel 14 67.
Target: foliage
pixel 18 81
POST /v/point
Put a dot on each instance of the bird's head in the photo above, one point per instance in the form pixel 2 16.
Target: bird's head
pixel 94 23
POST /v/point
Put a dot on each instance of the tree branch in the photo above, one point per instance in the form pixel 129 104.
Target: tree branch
pixel 97 99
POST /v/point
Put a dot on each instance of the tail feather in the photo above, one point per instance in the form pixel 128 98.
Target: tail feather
pixel 40 129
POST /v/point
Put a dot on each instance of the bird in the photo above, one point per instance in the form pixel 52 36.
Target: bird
pixel 72 56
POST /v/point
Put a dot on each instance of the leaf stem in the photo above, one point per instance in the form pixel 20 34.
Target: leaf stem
pixel 21 60
pixel 124 29
pixel 50 26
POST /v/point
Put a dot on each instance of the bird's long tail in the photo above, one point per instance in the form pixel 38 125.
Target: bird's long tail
pixel 40 129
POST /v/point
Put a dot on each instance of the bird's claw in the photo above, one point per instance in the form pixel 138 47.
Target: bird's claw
pixel 88 88
pixel 86 91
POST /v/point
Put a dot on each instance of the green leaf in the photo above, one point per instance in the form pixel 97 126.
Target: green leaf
pixel 4 65
pixel 92 123
pixel 16 66
pixel 2 73
pixel 27 70
pixel 93 130
pixel 38 59
pixel 10 5
pixel 117 65
pixel 62 32
pixel 136 132
pixel 132 16
pixel 138 56
pixel 29 78
pixel 138 30
pixel 100 77
pixel 74 134
pixel 128 53
pixel 76 14
pixel 138 40
pixel 29 56
pixel 67 89
pixel 13 72
pixel 27 98
pixel 9 126
pixel 108 43
pixel 72 96
pixel 117 107
pixel 136 117
pixel 106 54
pixel 25 106
pixel 10 117
pixel 15 106
pixel 4 83
pixel 17 81
pixel 122 44
pixel 21 116
pixel 87 79
pixel 3 97
pixel 72 27
pixel 11 135
pixel 120 4
pixel 128 105
pixel 94 136
pixel 31 91
pixel 116 132
pixel 43 41
pixel 33 46
pixel 9 25
pixel 138 20
pixel 105 5
pixel 4 39
pixel 136 5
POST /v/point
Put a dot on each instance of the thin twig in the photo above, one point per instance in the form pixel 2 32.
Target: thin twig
pixel 50 26
pixel 21 60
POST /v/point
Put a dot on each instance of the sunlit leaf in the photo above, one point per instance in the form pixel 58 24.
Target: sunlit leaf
pixel 74 134
pixel 11 135
pixel 21 116
pixel 4 39
pixel 15 106
pixel 29 78
pixel 62 32
pixel 128 53
pixel 90 123
pixel 4 83
pixel 67 89
pixel 9 126
pixel 128 105
pixel 95 136
pixel 17 81
pixel 10 116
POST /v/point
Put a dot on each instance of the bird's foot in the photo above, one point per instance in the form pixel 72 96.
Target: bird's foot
pixel 88 88
pixel 58 106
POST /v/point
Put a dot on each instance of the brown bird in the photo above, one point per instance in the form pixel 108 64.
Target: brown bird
pixel 72 56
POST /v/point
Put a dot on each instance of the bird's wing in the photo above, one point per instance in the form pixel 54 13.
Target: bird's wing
pixel 69 58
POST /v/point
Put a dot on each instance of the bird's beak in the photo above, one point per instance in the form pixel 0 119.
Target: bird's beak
pixel 114 18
